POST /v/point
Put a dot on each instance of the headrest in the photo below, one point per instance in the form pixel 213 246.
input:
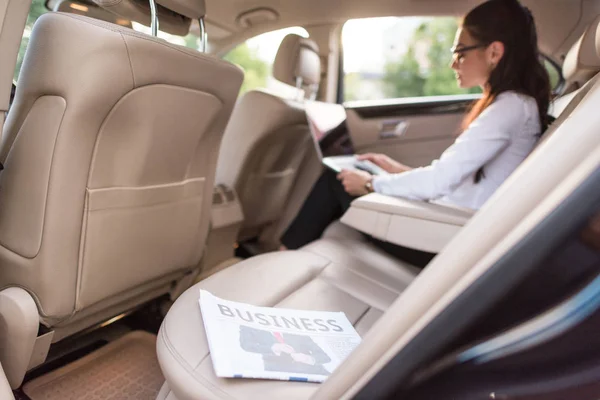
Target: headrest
pixel 583 60
pixel 170 12
pixel 297 57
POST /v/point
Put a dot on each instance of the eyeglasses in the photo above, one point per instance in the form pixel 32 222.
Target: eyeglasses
pixel 458 53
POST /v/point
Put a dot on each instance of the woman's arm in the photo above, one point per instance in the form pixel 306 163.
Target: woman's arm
pixel 483 140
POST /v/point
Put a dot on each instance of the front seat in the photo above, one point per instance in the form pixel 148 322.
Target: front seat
pixel 110 156
pixel 268 138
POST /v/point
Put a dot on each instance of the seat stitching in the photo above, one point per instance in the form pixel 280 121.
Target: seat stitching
pixel 129 58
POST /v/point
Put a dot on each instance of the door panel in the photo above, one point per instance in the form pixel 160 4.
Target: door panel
pixel 412 131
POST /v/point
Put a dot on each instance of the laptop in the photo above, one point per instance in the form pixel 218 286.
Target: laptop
pixel 325 118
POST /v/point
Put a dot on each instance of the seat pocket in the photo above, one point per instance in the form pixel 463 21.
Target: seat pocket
pixel 133 235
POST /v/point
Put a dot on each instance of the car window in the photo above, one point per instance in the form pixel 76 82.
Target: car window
pixel 396 57
pixel 256 56
pixel 38 7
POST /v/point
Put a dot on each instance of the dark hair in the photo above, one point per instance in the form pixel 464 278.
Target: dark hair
pixel 520 69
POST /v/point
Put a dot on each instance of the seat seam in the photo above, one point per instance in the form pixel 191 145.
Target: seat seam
pixel 337 286
pixel 129 58
pixel 343 290
pixel 47 190
pixel 365 277
pixel 301 285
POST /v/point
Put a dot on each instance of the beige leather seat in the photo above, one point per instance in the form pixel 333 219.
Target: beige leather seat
pixel 110 156
pixel 368 293
pixel 582 61
pixel 326 275
pixel 268 139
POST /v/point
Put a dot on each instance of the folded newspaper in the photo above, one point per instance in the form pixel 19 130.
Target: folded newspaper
pixel 246 341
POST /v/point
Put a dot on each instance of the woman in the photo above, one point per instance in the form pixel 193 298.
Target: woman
pixel 495 48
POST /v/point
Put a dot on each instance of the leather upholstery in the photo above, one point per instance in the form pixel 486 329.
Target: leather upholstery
pixel 341 231
pixel 327 275
pixel 110 153
pixel 567 157
pixel 170 21
pixel 298 279
pixel 307 176
pixel 412 208
pixel 265 146
pixel 415 224
pixel 297 57
pixel 583 60
pixel 322 274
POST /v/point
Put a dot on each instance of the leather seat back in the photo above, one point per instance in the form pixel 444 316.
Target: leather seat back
pixel 583 59
pixel 110 155
pixel 268 138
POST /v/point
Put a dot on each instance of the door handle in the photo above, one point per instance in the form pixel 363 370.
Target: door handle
pixel 392 128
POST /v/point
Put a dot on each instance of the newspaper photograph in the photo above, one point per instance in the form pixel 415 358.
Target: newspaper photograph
pixel 247 341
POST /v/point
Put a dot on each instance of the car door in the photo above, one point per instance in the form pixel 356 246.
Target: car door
pixel 414 133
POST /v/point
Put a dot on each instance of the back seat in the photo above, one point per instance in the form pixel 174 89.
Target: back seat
pixel 380 296
pixel 582 62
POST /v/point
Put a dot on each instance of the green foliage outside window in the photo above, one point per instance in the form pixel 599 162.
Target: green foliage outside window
pixel 424 70
pixel 256 70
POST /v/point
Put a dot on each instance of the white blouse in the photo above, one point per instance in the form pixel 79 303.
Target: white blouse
pixel 499 139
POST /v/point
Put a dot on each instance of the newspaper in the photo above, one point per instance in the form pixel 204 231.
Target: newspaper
pixel 246 341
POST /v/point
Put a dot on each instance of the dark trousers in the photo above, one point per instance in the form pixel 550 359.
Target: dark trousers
pixel 327 202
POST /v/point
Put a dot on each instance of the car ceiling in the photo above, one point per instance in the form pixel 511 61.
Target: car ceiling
pixel 559 22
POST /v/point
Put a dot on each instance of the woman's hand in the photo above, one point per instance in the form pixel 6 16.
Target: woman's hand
pixel 384 162
pixel 354 181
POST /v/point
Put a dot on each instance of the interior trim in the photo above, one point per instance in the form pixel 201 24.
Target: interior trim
pixel 488 289
pixel 411 106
